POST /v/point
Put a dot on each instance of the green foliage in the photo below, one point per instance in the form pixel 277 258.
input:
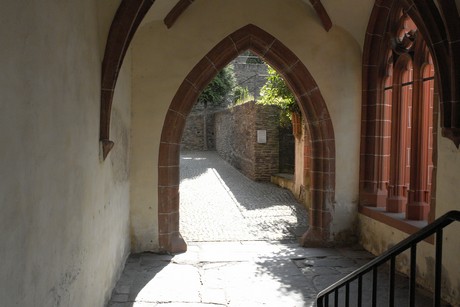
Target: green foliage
pixel 276 92
pixel 217 90
pixel 241 95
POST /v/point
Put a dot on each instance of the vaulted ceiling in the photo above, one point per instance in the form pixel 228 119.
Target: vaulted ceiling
pixel 353 18
pixel 440 27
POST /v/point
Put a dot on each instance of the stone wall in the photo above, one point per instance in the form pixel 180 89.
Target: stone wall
pixel 236 139
pixel 193 137
pixel 198 134
pixel 287 152
pixel 250 76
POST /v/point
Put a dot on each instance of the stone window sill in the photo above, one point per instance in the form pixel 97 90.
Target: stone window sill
pixel 395 220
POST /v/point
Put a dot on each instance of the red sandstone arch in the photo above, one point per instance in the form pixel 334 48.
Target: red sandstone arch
pixel 124 25
pixel 313 108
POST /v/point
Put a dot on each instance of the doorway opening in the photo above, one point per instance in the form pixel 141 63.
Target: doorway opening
pixel 226 169
pixel 311 104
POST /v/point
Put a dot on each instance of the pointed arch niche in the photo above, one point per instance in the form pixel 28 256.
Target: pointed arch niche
pixel 399 118
pixel 312 105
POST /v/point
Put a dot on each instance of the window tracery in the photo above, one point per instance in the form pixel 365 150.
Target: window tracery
pixel 403 124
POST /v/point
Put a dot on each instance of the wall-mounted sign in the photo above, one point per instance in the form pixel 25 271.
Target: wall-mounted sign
pixel 262 136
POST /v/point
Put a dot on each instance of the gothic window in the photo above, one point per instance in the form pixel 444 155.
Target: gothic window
pixel 401 157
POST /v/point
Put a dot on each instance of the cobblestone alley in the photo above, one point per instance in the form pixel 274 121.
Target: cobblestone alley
pixel 218 203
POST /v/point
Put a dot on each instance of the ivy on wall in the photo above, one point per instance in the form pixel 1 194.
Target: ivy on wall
pixel 219 88
pixel 276 92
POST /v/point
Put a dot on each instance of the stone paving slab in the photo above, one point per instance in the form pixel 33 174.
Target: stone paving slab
pixel 245 273
pixel 221 274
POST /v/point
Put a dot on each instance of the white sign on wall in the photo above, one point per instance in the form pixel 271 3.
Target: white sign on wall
pixel 262 136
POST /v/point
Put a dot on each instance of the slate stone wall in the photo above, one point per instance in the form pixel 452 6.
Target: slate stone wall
pixel 197 135
pixel 251 76
pixel 287 152
pixel 236 139
pixel 193 137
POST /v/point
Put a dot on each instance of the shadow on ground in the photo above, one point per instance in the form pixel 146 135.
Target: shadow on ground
pixel 248 274
pixel 225 274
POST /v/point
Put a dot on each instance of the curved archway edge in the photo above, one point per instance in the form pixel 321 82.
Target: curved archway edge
pixel 124 25
pixel 322 159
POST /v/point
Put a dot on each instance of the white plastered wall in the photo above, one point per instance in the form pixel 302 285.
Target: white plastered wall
pixel 64 215
pixel 162 58
pixel 353 16
pixel 447 198
pixel 378 237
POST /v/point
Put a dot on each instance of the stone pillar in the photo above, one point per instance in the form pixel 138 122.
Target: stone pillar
pixel 374 186
pixel 376 194
pixel 402 95
pixel 418 205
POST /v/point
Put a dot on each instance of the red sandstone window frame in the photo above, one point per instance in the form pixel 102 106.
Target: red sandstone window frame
pixel 396 186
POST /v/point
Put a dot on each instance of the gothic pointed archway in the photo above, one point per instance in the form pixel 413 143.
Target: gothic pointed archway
pixel 312 105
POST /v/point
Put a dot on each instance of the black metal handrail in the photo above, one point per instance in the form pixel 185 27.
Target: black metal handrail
pixel 411 242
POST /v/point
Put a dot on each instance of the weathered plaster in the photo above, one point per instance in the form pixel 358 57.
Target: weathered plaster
pixel 377 237
pixel 64 215
pixel 349 17
pixel 447 198
pixel 105 11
